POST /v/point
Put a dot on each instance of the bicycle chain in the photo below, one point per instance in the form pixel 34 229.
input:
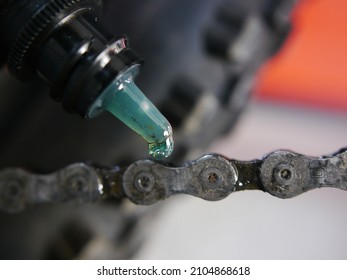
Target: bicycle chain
pixel 283 174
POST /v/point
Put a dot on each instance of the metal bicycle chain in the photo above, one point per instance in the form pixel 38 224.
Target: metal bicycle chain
pixel 283 174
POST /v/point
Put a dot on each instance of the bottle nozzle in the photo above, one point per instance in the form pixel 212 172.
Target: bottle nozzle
pixel 126 101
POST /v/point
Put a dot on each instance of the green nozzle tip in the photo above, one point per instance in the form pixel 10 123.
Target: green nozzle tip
pixel 126 101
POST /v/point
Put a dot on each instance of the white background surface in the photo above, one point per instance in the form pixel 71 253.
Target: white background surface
pixel 252 224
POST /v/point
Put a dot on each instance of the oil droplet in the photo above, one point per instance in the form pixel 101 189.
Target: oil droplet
pixel 161 150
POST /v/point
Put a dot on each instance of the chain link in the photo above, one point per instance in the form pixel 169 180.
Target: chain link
pixel 78 183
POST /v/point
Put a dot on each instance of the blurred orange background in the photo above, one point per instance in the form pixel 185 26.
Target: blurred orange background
pixel 311 67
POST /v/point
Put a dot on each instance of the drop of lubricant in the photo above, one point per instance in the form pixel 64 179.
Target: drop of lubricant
pixel 161 150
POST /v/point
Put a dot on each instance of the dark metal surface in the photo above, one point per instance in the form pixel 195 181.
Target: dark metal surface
pixel 211 177
pixel 285 174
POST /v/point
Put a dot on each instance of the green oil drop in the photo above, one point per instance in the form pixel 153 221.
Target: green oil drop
pixel 162 149
pixel 125 100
